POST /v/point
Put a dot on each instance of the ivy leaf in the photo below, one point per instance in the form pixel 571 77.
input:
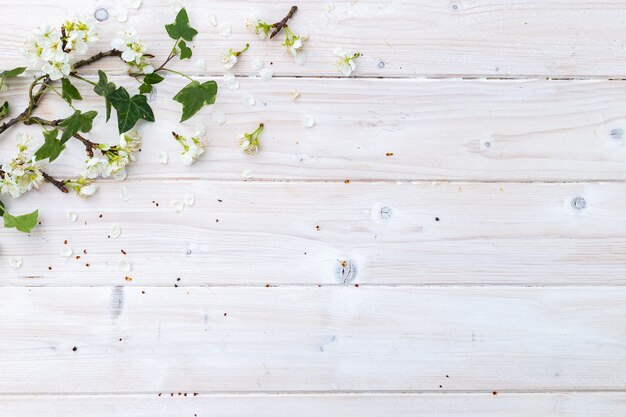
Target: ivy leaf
pixel 51 148
pixel 78 122
pixel 68 91
pixel 130 109
pixel 104 88
pixel 4 109
pixel 185 51
pixel 24 223
pixel 148 81
pixel 12 73
pixel 194 96
pixel 180 28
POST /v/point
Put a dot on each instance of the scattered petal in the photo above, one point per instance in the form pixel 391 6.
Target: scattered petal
pixel 266 74
pixel 124 193
pixel 124 266
pixel 177 205
pixel 300 59
pixel 329 7
pixel 163 157
pixel 258 64
pixel 16 261
pixel 247 173
pixel 66 252
pixel 115 231
pixel 295 94
pixel 308 121
pixel 249 100
pixel 72 216
pixel 189 200
pixel 201 65
pixel 133 4
pixel 200 129
pixel 219 117
pixel 212 20
pixel 120 14
pixel 225 30
pixel 231 81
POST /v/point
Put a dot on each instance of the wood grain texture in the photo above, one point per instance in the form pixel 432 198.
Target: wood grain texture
pixel 398 39
pixel 377 129
pixel 311 339
pixel 257 233
pixel 319 405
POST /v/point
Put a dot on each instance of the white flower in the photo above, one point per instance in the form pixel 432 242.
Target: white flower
pixel 57 69
pixel 80 34
pixel 94 167
pixel 133 49
pixel 22 173
pixel 87 190
pixel 249 142
pixel 83 186
pixel 293 45
pixel 192 147
pixel 345 62
pixel 228 59
pixel 256 25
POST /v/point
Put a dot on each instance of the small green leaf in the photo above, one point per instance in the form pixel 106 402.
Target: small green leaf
pixel 194 96
pixel 185 51
pixel 12 73
pixel 52 147
pixel 68 91
pixel 4 109
pixel 130 109
pixel 104 89
pixel 78 122
pixel 24 223
pixel 180 28
pixel 148 81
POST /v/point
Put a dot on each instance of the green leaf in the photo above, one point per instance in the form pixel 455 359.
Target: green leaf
pixel 68 91
pixel 24 223
pixel 78 122
pixel 180 28
pixel 130 109
pixel 51 148
pixel 185 51
pixel 148 81
pixel 4 109
pixel 12 73
pixel 194 96
pixel 104 89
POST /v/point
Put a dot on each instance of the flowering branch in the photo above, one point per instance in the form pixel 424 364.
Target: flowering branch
pixel 278 26
pixel 59 184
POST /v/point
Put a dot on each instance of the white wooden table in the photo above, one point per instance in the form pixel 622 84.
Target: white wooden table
pixel 416 253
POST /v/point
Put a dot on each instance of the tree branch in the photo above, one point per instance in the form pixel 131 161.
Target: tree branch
pixel 89 145
pixel 278 26
pixel 59 184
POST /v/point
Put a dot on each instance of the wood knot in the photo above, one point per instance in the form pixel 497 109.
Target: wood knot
pixel 578 203
pixel 346 271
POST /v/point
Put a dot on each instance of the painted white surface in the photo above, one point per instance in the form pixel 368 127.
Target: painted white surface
pixel 354 282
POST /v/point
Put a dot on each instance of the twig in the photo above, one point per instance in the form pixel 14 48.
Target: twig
pixel 278 26
pixel 89 145
pixel 34 99
pixel 59 184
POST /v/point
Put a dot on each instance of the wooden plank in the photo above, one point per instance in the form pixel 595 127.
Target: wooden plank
pixel 319 405
pixel 242 233
pixel 398 39
pixel 379 129
pixel 133 340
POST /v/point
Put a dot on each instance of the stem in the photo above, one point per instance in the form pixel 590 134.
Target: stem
pixel 278 26
pixel 89 145
pixel 59 184
pixel 243 50
pixel 83 79
pixel 179 73
pixel 94 58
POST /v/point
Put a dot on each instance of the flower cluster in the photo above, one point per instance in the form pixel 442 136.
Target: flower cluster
pixel 22 173
pixel 57 48
pixel 345 61
pixel 112 163
pixel 133 51
pixel 259 27
pixel 249 142
pixel 192 147
pixel 293 45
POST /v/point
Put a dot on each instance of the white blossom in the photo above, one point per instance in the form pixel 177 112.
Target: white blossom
pixel 256 25
pixel 345 62
pixel 57 69
pixel 192 147
pixel 228 59
pixel 23 172
pixel 249 142
pixel 133 49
